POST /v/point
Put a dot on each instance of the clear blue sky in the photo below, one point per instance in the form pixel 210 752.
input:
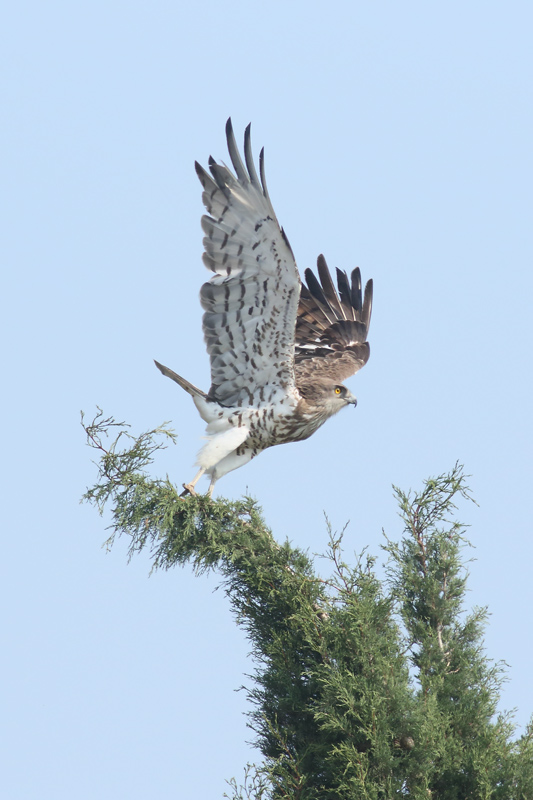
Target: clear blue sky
pixel 398 138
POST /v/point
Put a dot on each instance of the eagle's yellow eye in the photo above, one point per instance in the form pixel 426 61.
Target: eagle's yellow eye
pixel 337 390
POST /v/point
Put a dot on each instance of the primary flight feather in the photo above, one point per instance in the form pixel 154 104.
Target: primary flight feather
pixel 279 350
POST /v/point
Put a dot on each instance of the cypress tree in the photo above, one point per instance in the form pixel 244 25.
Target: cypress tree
pixel 362 688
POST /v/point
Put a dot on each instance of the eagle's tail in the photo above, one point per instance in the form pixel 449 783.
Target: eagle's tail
pixel 192 390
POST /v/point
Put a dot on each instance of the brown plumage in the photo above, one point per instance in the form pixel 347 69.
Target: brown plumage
pixel 279 350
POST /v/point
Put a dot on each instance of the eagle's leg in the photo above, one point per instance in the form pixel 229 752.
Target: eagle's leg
pixel 212 484
pixel 189 487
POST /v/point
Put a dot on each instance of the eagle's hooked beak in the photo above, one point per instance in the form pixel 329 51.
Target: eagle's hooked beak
pixel 351 398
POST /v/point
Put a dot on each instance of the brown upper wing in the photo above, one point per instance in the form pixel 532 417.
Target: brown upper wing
pixel 331 326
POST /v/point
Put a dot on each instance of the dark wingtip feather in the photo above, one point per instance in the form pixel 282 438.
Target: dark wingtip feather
pixel 367 303
pixel 262 174
pixel 342 278
pixel 200 171
pixel 328 287
pixel 345 294
pixel 356 276
pixel 314 286
pixel 218 174
pixel 248 156
pixel 234 154
pixel 355 294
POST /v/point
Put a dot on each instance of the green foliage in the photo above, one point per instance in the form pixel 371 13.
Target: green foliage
pixel 361 689
pixel 456 687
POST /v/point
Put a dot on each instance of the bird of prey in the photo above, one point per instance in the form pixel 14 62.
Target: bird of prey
pixel 279 350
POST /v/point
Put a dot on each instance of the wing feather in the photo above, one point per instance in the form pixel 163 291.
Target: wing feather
pixel 250 166
pixel 250 304
pixel 332 298
pixel 345 295
pixel 234 154
pixel 314 294
pixel 331 327
pixel 262 173
pixel 355 292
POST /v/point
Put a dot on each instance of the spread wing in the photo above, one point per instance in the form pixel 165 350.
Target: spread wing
pixel 251 302
pixel 331 327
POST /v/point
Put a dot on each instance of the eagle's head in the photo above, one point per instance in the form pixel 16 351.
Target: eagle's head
pixel 325 397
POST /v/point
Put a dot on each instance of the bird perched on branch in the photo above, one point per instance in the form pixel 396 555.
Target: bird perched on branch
pixel 279 350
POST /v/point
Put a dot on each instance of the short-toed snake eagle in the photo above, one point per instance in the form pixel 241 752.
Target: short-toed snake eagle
pixel 279 350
